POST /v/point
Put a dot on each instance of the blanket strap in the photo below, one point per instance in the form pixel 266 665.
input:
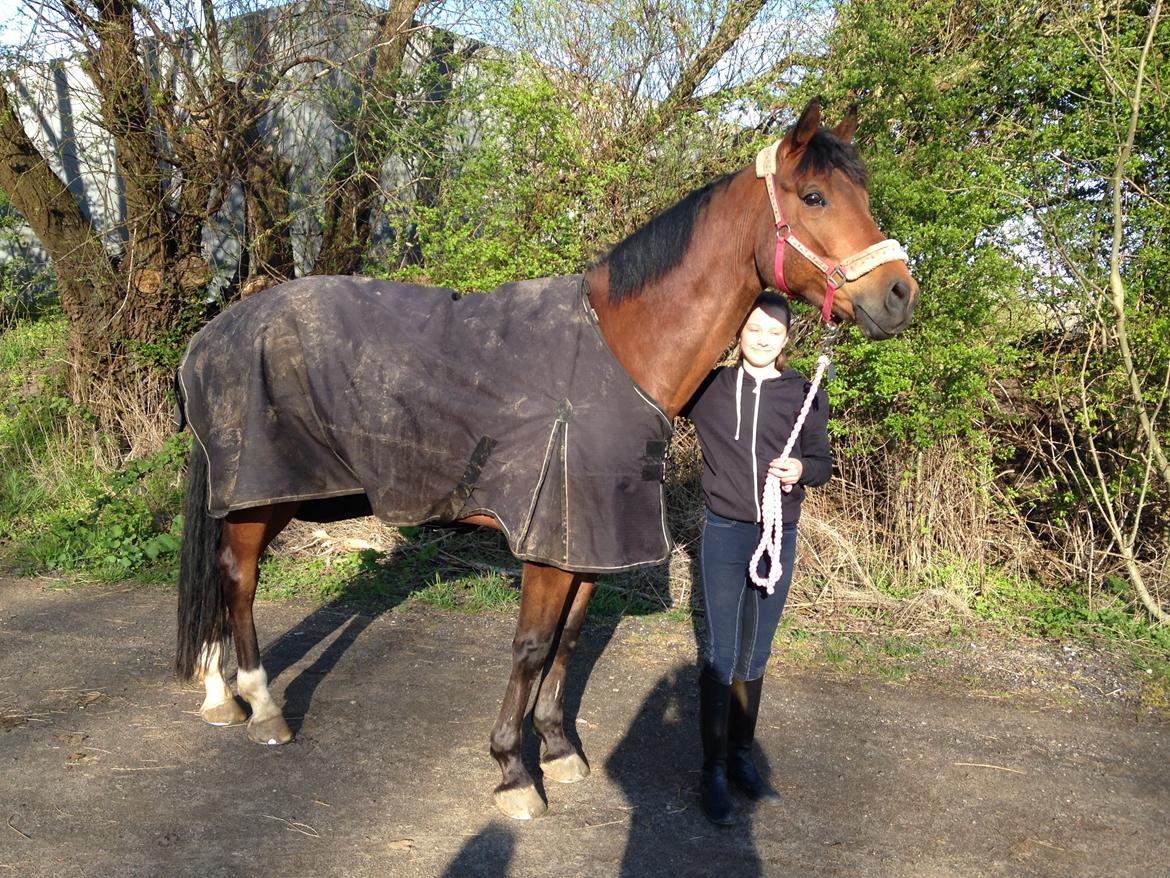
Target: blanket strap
pixel 453 506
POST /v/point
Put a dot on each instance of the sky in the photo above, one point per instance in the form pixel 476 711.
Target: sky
pixel 13 21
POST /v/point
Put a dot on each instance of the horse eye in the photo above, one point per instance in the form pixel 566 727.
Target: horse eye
pixel 813 199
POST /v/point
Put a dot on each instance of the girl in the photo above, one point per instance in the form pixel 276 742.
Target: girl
pixel 743 416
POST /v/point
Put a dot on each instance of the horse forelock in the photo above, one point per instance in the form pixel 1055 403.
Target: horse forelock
pixel 827 152
pixel 658 246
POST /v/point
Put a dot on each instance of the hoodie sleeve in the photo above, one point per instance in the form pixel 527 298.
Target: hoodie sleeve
pixel 694 408
pixel 815 453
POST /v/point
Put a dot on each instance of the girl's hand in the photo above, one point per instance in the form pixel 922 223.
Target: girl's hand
pixel 787 469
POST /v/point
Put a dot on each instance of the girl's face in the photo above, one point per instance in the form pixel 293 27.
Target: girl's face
pixel 762 338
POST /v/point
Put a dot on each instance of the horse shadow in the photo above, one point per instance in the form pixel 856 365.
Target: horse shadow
pixel 386 580
pixel 383 581
pixel 488 854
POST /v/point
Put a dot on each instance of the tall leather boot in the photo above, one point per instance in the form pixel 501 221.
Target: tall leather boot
pixel 741 732
pixel 714 696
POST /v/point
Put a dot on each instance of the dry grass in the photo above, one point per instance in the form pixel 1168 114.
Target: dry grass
pixel 915 539
pixel 137 409
pixel 310 539
pixel 913 548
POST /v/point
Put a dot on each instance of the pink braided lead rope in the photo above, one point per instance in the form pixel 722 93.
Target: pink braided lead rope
pixel 771 504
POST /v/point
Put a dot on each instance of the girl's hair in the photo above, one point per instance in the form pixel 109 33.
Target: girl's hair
pixel 775 306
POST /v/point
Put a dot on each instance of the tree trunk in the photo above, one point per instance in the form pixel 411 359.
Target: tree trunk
pixel 87 283
pixel 346 230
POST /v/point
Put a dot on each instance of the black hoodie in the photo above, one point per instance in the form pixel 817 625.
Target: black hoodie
pixel 731 487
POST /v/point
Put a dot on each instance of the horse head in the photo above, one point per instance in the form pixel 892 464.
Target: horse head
pixel 822 244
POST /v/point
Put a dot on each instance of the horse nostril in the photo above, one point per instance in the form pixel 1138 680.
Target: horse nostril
pixel 900 291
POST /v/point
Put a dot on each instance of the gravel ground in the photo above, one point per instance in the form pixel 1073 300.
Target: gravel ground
pixel 981 759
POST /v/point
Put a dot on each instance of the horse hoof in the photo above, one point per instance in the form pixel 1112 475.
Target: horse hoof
pixel 273 730
pixel 227 714
pixel 521 803
pixel 565 769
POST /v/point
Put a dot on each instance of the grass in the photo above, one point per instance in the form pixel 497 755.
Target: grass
pixel 48 479
pixel 900 647
pixel 436 568
pixel 440 594
pixel 70 506
pixel 417 571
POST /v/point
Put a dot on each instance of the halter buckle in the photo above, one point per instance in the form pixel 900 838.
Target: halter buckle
pixel 829 337
pixel 836 278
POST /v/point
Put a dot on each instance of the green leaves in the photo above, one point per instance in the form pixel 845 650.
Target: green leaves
pixel 124 525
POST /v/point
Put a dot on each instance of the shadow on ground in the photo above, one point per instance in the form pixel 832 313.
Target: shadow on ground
pixel 105 770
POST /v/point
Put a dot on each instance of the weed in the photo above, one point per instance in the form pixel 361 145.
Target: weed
pixel 836 650
pixel 900 647
pixel 893 672
pixel 489 591
pixel 127 524
pixel 62 502
pixel 439 594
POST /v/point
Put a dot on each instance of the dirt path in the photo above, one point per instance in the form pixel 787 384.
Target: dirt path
pixel 105 770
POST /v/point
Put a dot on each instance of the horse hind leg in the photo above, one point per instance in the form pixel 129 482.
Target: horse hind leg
pixel 542 600
pixel 219 707
pixel 202 619
pixel 561 762
pixel 245 536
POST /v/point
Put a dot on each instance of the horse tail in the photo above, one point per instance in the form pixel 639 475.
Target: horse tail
pixel 202 612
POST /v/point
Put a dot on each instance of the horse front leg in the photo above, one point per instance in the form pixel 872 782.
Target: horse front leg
pixel 245 536
pixel 561 762
pixel 543 594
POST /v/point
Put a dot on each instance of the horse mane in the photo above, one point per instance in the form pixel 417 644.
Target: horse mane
pixel 659 245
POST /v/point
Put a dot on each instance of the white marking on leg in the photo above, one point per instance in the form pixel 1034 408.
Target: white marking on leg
pixel 214 685
pixel 253 686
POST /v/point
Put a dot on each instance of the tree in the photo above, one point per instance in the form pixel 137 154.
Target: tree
pixel 590 118
pixel 185 99
pixel 994 131
pixel 1113 399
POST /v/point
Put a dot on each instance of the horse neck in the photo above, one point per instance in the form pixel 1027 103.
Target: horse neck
pixel 669 335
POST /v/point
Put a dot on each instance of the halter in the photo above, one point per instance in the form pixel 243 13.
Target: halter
pixel 836 276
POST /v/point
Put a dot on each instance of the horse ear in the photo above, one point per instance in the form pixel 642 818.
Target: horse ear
pixel 848 126
pixel 806 126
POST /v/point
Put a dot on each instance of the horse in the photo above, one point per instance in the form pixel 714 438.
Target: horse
pixel 666 301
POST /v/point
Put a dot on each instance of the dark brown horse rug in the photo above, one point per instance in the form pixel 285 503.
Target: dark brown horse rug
pixel 434 407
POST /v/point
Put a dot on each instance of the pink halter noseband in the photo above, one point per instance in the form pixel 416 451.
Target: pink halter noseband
pixel 836 276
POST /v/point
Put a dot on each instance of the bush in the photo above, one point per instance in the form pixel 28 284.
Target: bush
pixel 130 524
pixel 67 500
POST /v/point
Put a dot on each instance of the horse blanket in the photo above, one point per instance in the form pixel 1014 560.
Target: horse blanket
pixel 433 407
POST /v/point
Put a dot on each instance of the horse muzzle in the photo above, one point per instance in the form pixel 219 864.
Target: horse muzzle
pixel 887 310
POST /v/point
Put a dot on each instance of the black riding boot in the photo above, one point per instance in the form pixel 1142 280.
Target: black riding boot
pixel 714 697
pixel 741 731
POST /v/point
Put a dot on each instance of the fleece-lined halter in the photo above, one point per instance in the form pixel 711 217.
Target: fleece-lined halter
pixel 836 276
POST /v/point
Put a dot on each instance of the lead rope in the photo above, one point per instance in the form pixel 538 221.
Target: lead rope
pixel 772 505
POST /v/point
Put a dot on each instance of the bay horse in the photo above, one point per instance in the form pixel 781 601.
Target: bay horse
pixel 667 301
